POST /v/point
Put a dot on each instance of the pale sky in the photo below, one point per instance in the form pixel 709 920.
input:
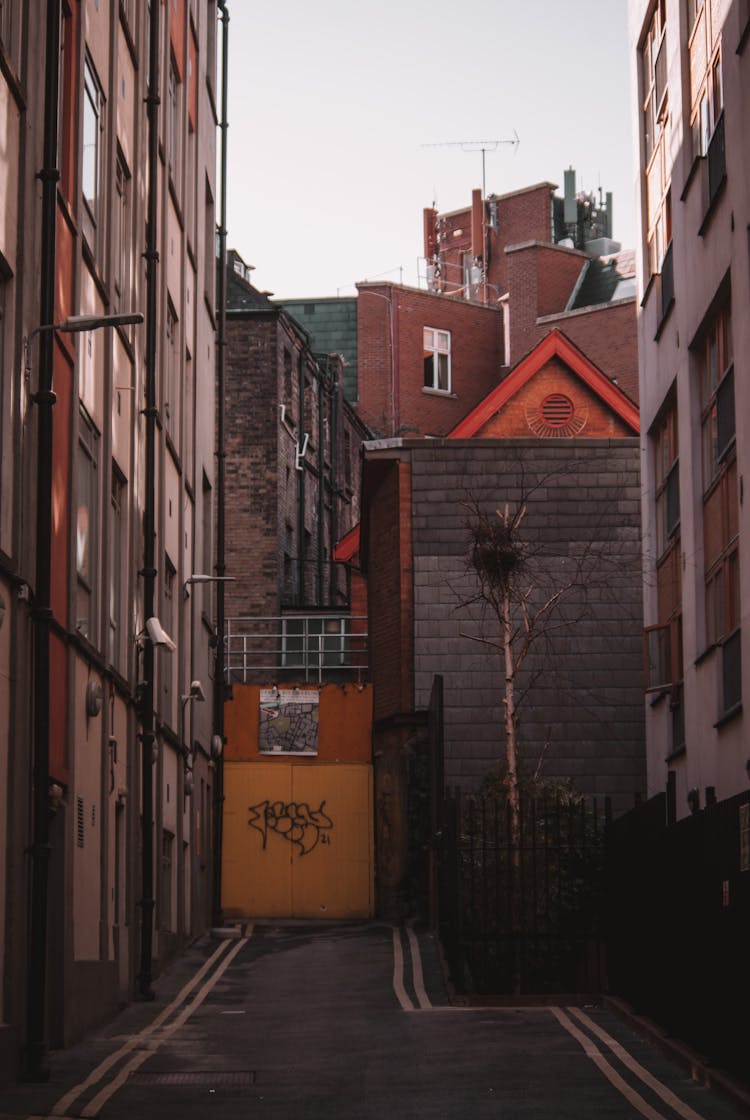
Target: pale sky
pixel 334 106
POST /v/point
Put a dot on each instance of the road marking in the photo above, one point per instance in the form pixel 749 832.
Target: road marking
pixel 591 1051
pixel 416 968
pixel 60 1109
pixel 398 972
pixel 640 1071
pixel 94 1107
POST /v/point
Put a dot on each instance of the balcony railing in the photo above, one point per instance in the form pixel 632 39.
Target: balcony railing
pixel 296 649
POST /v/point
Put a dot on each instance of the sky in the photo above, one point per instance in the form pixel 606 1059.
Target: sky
pixel 346 119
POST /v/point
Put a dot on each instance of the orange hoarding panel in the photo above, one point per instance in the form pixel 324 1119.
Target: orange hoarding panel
pixel 297 841
pixel 342 723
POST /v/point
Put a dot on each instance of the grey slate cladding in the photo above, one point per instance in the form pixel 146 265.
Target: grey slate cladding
pixel 583 716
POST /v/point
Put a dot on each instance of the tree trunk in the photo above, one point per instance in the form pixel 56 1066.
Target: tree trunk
pixel 513 795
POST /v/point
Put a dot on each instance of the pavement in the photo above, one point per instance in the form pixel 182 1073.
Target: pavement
pixel 311 1021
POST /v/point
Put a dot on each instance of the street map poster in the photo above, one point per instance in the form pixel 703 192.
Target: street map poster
pixel 288 721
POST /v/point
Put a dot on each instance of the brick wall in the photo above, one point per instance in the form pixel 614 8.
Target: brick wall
pixel 583 716
pixel 521 216
pixel 592 419
pixel 538 276
pixel 251 441
pixel 392 397
pixel 277 559
pixel 607 336
pixel 389 587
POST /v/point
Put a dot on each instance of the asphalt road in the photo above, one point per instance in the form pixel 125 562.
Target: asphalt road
pixel 302 1022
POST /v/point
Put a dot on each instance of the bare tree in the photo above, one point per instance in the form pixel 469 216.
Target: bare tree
pixel 508 585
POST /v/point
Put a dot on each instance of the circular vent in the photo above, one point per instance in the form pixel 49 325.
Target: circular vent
pixel 556 410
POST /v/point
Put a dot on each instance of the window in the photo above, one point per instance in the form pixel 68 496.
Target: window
pixel 716 394
pixel 288 390
pixel 65 115
pixel 174 124
pixel 706 85
pixel 92 185
pixel 10 30
pixel 654 78
pixel 654 119
pixel 666 480
pixel 168 618
pixel 210 248
pixel 437 360
pixel 210 10
pixel 207 553
pixel 166 894
pixel 172 377
pixel 191 183
pixel 87 527
pixel 121 238
pixel 720 500
pixel 723 623
pixel 127 11
pixel 663 642
pixel 117 558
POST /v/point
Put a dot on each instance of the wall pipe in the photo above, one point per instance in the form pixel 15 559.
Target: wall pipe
pixel 219 683
pixel 34 1059
pixel 149 520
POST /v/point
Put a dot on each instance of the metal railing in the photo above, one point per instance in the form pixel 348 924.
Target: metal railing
pixel 298 647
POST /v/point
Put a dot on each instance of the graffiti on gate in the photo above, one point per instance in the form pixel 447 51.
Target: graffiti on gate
pixel 295 821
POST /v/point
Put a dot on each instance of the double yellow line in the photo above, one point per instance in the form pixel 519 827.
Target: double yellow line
pixel 147 1041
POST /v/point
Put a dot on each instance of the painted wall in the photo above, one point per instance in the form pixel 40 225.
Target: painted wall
pixel 344 724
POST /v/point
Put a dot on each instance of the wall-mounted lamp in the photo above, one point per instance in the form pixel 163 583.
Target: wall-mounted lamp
pixel 196 693
pixel 201 577
pixel 94 698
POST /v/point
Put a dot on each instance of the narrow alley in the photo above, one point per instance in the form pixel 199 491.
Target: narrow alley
pixel 353 1021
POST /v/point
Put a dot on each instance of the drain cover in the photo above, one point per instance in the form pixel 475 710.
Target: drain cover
pixel 209 1078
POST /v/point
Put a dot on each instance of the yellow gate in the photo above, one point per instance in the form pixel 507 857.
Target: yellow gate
pixel 297 840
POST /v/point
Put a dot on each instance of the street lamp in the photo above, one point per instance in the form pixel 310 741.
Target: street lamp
pixel 196 693
pixel 35 1050
pixel 200 577
pixel 76 324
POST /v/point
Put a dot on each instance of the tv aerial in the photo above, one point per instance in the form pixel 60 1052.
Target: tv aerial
pixel 482 146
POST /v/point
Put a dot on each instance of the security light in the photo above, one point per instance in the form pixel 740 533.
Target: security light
pixel 158 635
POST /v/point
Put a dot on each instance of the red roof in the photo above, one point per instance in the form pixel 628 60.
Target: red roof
pixel 348 546
pixel 555 344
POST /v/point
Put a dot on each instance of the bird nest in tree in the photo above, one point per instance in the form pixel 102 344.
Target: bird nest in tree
pixel 496 551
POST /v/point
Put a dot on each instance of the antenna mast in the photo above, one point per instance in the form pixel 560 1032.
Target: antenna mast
pixel 482 146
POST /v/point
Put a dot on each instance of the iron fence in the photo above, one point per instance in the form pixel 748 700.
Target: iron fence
pixel 679 922
pixel 523 917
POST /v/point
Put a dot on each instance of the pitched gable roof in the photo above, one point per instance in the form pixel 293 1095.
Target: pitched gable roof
pixel 553 345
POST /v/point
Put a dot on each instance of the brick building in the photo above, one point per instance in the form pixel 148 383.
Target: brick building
pixel 546 261
pixel 293 461
pixel 559 437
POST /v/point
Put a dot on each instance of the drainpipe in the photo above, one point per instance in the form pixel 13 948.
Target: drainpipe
pixel 322 390
pixel 149 519
pixel 301 485
pixel 35 1052
pixel 333 481
pixel 219 684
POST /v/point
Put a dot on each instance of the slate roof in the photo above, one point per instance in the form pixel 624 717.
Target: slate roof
pixel 606 279
pixel 332 327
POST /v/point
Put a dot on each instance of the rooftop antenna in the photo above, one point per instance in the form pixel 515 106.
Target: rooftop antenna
pixel 482 146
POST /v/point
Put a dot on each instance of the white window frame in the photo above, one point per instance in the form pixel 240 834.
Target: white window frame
pixel 92 155
pixel 436 345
